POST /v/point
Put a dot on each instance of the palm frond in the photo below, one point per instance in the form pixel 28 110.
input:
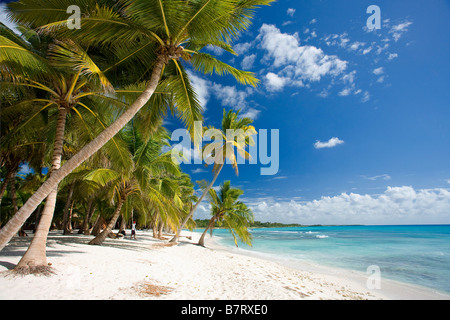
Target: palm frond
pixel 207 64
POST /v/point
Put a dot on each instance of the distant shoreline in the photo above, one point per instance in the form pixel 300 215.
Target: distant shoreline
pixel 202 223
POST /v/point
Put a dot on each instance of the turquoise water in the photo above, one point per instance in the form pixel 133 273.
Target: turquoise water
pixel 417 254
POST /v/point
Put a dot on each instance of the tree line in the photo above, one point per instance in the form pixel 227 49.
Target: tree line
pixel 84 108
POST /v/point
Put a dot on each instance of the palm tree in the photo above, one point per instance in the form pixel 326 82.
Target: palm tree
pixel 142 31
pixel 227 210
pixel 71 78
pixel 144 183
pixel 221 148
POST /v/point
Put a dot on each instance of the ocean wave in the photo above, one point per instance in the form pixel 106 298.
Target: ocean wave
pixel 321 236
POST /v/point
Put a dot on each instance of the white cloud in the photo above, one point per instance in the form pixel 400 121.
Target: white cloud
pixel 345 92
pixel 201 87
pixel 230 96
pixel 247 62
pixel 274 82
pixel 397 205
pixel 356 45
pixel 378 71
pixel 378 177
pixel 313 21
pixel 367 50
pixel 251 113
pixel 392 56
pixel 328 144
pixel 198 170
pixel 366 97
pixel 290 12
pixel 216 50
pixel 296 62
pixel 241 48
pixel 398 30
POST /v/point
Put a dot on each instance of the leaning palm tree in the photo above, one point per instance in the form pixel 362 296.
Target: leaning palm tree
pixel 235 133
pixel 228 211
pixel 71 77
pixel 151 32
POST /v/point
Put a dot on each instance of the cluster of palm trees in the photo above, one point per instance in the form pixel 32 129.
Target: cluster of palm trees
pixel 88 105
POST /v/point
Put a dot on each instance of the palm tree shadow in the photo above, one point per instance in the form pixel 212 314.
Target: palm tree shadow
pixel 7 265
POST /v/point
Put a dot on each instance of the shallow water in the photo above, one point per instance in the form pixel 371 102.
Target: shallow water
pixel 416 254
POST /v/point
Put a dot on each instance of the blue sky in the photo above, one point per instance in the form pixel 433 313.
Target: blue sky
pixel 377 102
pixel 363 116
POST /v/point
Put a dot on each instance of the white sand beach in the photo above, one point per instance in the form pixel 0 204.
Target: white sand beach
pixel 147 268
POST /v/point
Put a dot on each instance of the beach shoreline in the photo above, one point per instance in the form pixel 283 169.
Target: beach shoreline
pixel 148 268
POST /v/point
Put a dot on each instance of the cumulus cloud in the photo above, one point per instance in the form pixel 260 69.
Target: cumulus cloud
pixel 274 82
pixel 328 144
pixel 229 96
pixel 296 62
pixel 396 205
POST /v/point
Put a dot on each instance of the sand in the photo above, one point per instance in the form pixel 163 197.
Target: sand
pixel 147 268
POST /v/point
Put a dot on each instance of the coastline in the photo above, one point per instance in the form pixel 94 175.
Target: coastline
pixel 147 268
pixel 390 289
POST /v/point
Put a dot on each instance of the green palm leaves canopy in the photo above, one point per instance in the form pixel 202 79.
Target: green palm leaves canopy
pixel 149 35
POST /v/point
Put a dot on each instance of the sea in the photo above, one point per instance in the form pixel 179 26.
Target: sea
pixel 415 254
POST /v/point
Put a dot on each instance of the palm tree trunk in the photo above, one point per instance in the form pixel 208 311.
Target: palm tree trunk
pixel 36 255
pixel 201 241
pixel 97 226
pixel 66 220
pixel 10 175
pixel 85 227
pixel 177 235
pixel 160 228
pixel 22 232
pixel 98 240
pixel 122 224
pixel 14 224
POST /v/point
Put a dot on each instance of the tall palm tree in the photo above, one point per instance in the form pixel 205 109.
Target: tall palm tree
pixel 222 148
pixel 228 211
pixel 158 31
pixel 71 78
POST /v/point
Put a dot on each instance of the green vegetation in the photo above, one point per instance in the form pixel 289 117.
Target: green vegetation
pixel 88 104
pixel 203 223
pixel 228 211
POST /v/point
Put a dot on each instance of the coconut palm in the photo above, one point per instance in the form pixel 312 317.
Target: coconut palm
pixel 71 78
pixel 149 35
pixel 144 183
pixel 228 211
pixel 235 133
